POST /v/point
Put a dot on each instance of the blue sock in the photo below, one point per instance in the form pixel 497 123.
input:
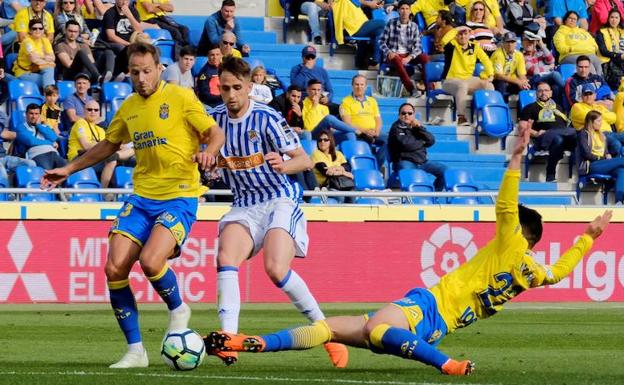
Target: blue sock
pixel 125 309
pixel 403 343
pixel 279 341
pixel 166 285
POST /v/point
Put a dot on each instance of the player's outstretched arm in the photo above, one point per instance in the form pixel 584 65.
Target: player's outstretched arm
pixel 524 132
pixel 572 256
pixel 94 155
pixel 214 139
pixel 299 161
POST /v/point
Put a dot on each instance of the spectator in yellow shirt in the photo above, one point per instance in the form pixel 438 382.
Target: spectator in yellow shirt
pixel 571 41
pixel 35 60
pixel 460 60
pixel 588 103
pixel 156 12
pixel 36 11
pixel 362 112
pixel 509 68
pixel 227 44
pixel 316 117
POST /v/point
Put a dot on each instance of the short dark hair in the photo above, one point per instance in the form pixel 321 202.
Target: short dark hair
pixel 35 21
pixel 407 104
pixel 188 50
pixel 403 2
pixel 583 58
pixel 447 17
pixel 567 14
pixel 72 22
pixel 357 76
pixel 228 3
pixel 236 66
pixel 33 106
pixel 293 87
pixel 50 90
pixel 531 222
pixel 312 82
pixel 542 82
pixel 143 49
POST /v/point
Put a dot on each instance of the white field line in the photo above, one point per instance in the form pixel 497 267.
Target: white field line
pixel 230 378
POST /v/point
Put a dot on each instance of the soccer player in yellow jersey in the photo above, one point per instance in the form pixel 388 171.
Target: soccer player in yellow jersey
pixel 166 124
pixel 412 326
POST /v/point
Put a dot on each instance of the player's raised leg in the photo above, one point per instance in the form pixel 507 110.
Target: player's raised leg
pixel 235 246
pixel 388 331
pixel 161 245
pixel 279 251
pixel 122 254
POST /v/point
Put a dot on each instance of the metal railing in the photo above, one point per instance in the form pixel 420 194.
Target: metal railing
pixel 64 192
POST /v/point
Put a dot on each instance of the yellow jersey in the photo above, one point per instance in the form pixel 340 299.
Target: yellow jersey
pixel 165 129
pixel 502 269
pixel 319 156
pixel 312 115
pixel 25 15
pixel 513 66
pixel 361 112
pixel 41 46
pixel 82 129
pixel 144 15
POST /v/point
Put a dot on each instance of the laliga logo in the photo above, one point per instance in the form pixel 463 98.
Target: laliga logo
pixel 443 252
pixel 37 284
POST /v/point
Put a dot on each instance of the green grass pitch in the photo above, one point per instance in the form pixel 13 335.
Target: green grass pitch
pixel 525 344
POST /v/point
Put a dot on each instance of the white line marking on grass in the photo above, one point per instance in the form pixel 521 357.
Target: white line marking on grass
pixel 240 378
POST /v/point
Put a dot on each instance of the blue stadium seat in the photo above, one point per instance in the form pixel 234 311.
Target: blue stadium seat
pixel 166 48
pixel 421 187
pixel 111 90
pixel 427 44
pixel 605 181
pixel 200 62
pixel 420 21
pixel 22 93
pixel 355 147
pixel 368 179
pixel 4 183
pixel 363 162
pixel 10 61
pixel 195 36
pixel 63 142
pixel 526 97
pixel 566 70
pixel 66 88
pixel 493 116
pixel 308 145
pixel 408 177
pixel 84 179
pixel 459 180
pixel 111 109
pixel 29 177
pixel 122 177
pixel 369 201
pixel 433 73
pixel 158 34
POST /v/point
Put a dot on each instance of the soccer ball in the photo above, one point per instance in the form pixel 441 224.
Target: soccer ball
pixel 183 349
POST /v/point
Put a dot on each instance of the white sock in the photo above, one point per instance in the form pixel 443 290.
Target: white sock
pixel 298 292
pixel 136 347
pixel 229 300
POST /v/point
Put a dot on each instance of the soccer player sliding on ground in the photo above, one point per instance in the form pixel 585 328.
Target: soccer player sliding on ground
pixel 413 326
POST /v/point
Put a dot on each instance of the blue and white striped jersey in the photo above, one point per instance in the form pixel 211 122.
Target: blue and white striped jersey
pixel 247 139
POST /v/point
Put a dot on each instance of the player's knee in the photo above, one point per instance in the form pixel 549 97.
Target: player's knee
pixel 150 266
pixel 224 258
pixel 276 271
pixel 115 272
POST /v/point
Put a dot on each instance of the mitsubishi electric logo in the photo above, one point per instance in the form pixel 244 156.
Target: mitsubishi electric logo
pixel 37 284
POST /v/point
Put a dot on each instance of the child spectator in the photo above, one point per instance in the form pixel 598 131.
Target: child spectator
pixel 51 111
pixel 260 92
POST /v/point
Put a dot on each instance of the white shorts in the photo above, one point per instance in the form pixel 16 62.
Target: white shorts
pixel 282 213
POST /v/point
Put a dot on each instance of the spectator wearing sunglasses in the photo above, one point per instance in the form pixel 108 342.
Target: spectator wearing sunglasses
pixel 36 11
pixel 35 60
pixel 407 146
pixel 227 44
pixel 67 10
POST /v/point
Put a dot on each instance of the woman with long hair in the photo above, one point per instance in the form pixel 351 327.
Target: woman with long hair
pixel 609 39
pixel 64 11
pixel 571 41
pixel 329 163
pixel 593 157
pixel 601 12
pixel 480 33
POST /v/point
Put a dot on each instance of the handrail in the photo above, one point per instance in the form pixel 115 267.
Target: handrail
pixel 324 194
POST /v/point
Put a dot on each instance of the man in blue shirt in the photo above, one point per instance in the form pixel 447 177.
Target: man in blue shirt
pixel 557 9
pixel 38 141
pixel 8 162
pixel 217 23
pixel 301 74
pixel 73 106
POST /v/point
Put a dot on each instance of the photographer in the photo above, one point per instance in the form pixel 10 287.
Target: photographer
pixel 407 144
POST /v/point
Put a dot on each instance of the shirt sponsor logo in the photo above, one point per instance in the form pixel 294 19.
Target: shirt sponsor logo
pixel 241 162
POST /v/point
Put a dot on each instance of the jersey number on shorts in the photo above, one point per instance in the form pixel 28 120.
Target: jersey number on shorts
pixel 493 297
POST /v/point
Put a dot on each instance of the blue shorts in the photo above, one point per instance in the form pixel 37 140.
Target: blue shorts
pixel 421 310
pixel 138 216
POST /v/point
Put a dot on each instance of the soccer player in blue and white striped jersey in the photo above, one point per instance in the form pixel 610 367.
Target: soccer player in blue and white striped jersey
pixel 265 214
